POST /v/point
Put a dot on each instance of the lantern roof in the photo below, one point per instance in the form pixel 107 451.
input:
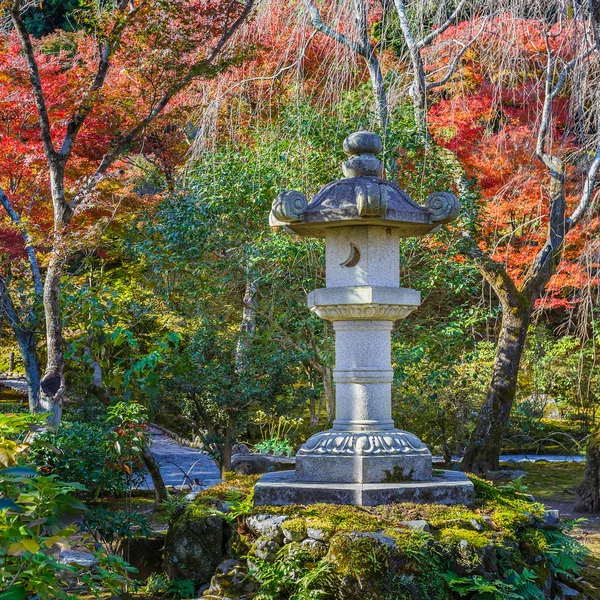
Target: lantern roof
pixel 363 197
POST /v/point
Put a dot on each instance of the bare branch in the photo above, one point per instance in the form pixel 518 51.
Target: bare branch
pixel 133 135
pixel 588 190
pixel 87 104
pixel 550 93
pixel 493 272
pixel 29 247
pixel 315 19
pixel 454 64
pixel 34 77
pixel 450 21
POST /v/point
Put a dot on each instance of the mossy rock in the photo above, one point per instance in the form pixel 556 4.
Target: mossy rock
pixel 195 544
pixel 366 553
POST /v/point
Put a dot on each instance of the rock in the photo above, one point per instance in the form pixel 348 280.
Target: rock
pixel 240 450
pixel 251 464
pixel 527 497
pixel 228 565
pixel 563 591
pixel 267 526
pixel 194 545
pixel 292 536
pixel 530 517
pixel 551 519
pixel 504 474
pixel 229 582
pixel 266 549
pixel 386 540
pixel 81 559
pixel 319 548
pixel 488 521
pixel 318 534
pixel 476 525
pixel 418 525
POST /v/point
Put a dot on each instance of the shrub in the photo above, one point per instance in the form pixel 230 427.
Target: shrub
pixel 80 452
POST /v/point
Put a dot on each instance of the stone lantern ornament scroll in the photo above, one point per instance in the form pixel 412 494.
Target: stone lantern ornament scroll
pixel 363 459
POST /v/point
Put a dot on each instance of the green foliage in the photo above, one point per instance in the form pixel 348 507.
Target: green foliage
pixel 564 552
pixel 50 15
pixel 110 528
pixel 516 586
pixel 172 505
pixel 37 513
pixel 14 430
pixel 159 585
pixel 180 588
pixel 81 453
pixel 276 446
pixel 294 575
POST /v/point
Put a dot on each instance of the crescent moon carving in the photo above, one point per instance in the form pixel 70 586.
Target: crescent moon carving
pixel 354 257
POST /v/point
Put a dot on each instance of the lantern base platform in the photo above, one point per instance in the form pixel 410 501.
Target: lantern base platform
pixel 282 489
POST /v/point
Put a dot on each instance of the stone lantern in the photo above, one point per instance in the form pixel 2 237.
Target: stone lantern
pixel 363 459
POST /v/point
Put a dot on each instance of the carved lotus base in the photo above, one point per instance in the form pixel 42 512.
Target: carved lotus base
pixel 363 457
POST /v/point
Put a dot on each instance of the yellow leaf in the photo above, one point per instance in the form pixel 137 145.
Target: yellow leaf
pixel 56 539
pixel 30 545
pixel 16 549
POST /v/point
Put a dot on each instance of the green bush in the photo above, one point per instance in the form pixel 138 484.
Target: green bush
pixel 81 452
pixel 110 528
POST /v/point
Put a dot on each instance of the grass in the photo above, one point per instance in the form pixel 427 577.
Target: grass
pixel 548 481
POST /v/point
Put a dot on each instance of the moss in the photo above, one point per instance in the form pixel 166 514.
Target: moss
pixel 362 557
pixel 551 481
pixel 397 475
pixel 296 526
pixel 331 516
pixel 236 485
pixel 533 542
pixel 453 535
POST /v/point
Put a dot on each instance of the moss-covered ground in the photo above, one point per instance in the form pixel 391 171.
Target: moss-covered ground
pixel 550 481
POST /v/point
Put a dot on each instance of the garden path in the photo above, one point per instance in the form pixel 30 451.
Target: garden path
pixel 180 465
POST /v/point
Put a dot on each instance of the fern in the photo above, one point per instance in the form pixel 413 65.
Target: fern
pixel 564 553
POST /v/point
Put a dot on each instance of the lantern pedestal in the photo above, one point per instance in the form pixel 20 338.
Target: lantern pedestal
pixel 363 459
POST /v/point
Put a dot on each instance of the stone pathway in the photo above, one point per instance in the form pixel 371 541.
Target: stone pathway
pixel 178 462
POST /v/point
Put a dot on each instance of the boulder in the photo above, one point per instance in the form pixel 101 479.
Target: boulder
pixel 195 545
pixel 240 449
pixel 251 464
pixel 315 533
pixel 267 526
pixel 551 519
pixel 418 525
pixel 504 474
pixel 229 582
pixel 315 546
pixel 78 558
pixel 266 549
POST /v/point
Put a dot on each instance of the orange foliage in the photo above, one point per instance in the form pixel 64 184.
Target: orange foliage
pixel 489 117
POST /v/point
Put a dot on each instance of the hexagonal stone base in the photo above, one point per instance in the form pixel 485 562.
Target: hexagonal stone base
pixel 282 488
pixel 363 469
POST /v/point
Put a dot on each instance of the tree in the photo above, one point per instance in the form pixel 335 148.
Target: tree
pixel 163 50
pixel 567 147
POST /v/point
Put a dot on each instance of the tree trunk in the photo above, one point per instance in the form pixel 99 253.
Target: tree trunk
pixel 53 381
pixel 25 337
pixel 160 489
pixel 483 453
pixel 248 324
pixel 31 363
pixel 588 492
pixel 226 448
